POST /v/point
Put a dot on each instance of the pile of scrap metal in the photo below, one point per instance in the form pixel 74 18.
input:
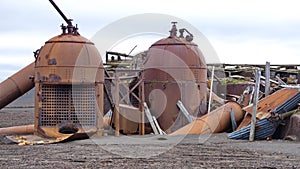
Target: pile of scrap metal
pixel 216 121
pixel 278 116
pixel 288 74
pixel 271 113
pixel 76 97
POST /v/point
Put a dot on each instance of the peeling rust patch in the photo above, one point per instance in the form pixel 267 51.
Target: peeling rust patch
pixel 54 78
pixel 52 62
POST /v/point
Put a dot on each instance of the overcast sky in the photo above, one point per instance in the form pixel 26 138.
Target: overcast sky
pixel 249 31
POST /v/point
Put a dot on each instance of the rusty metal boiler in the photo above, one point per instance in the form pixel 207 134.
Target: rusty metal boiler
pixel 69 76
pixel 175 69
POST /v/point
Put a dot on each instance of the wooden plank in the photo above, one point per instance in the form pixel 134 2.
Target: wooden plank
pixel 255 101
pixel 116 108
pixel 142 108
pixel 267 81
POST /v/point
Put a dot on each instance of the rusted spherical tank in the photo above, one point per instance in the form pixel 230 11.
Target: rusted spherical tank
pixel 69 77
pixel 69 58
pixel 175 69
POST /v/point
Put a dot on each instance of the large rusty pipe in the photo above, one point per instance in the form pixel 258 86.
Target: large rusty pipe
pixel 26 129
pixel 16 85
pixel 214 122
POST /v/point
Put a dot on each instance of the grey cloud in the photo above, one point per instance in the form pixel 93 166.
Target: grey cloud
pixel 9 67
pixel 284 30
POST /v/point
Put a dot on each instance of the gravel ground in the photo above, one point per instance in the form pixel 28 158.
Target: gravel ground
pixel 204 151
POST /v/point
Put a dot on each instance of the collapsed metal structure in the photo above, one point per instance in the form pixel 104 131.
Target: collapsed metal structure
pixel 271 110
pixel 75 95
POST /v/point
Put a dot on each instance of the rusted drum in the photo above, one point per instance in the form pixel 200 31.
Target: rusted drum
pixel 175 69
pixel 216 121
pixel 69 77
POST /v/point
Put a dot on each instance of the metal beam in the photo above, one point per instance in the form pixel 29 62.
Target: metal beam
pixel 211 87
pixel 149 116
pixel 161 132
pixel 184 111
pixel 116 106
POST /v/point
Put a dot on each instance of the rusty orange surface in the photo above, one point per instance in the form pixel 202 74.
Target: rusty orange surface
pixel 69 77
pixel 175 69
pixel 26 129
pixel 16 85
pixel 267 104
pixel 214 122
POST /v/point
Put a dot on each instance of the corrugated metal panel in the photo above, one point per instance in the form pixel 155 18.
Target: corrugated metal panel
pixel 263 129
pixel 289 105
pixel 267 126
pixel 270 103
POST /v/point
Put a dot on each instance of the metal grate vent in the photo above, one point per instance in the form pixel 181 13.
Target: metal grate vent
pixel 68 103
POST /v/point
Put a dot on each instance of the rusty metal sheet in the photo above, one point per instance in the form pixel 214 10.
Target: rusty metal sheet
pixel 214 122
pixel 16 133
pixel 36 140
pixel 265 128
pixel 267 104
